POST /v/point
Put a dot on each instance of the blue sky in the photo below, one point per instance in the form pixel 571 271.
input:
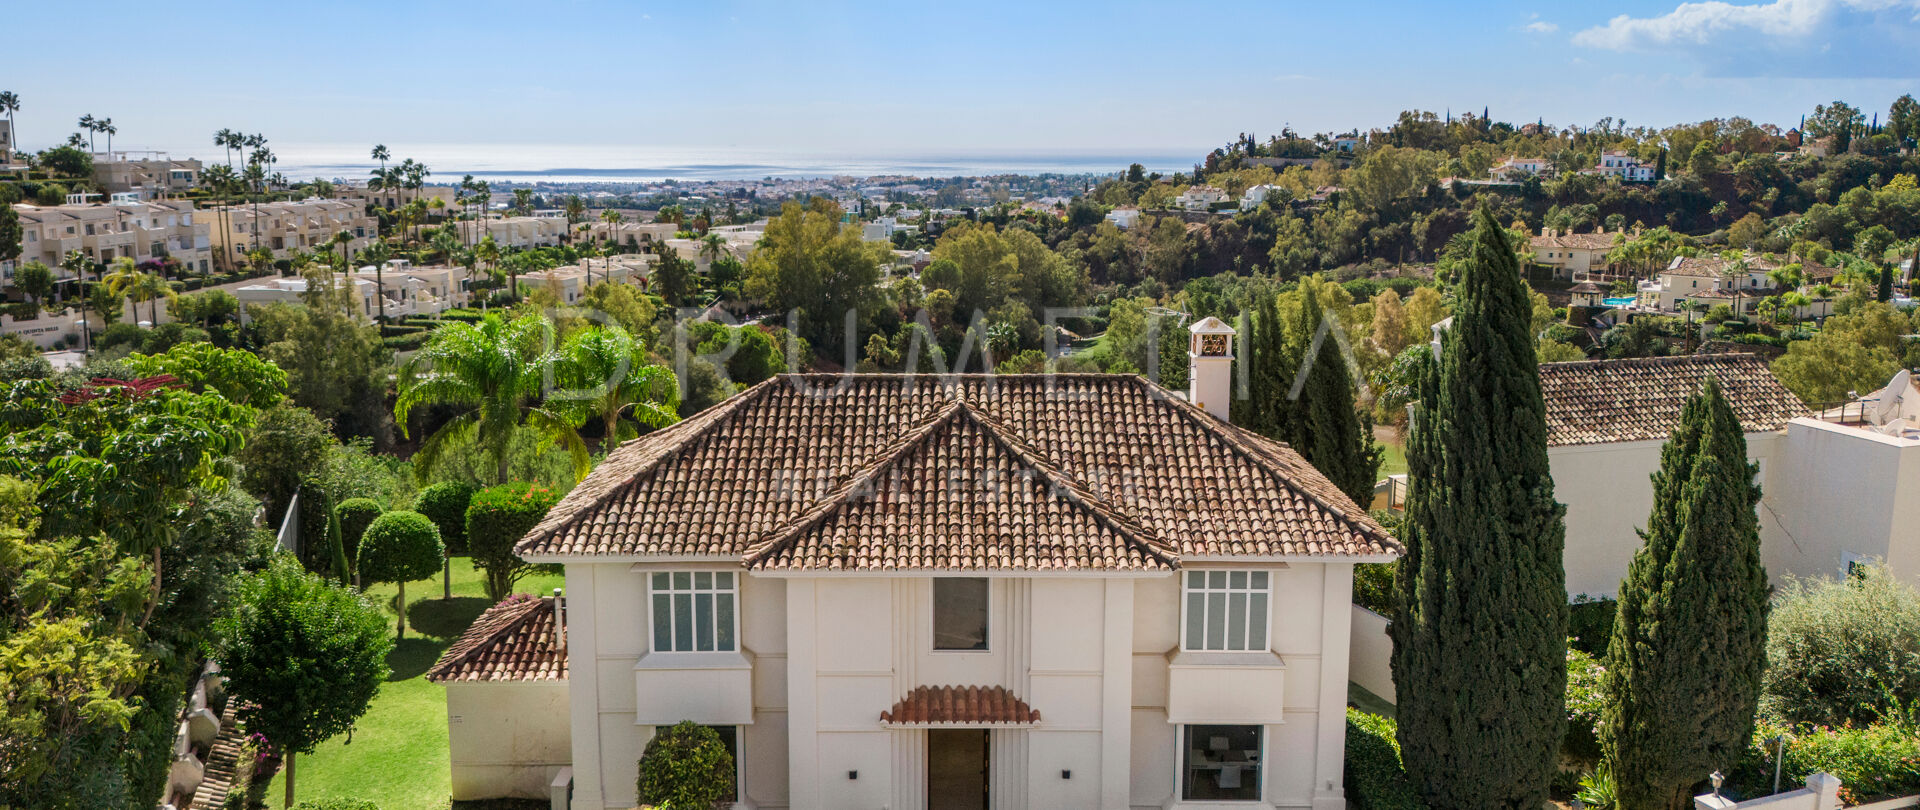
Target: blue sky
pixel 912 78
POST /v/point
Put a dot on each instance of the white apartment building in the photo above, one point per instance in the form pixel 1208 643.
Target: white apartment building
pixel 6 145
pixel 632 233
pixel 527 232
pixel 571 282
pixel 908 592
pixel 142 231
pixel 285 228
pixel 407 290
pixel 356 191
pixel 1123 216
pixel 148 174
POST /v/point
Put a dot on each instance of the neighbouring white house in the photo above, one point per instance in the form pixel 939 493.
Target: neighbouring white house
pixel 506 682
pixel 1123 216
pixel 1346 143
pixel 1516 168
pixel 1618 164
pixel 879 230
pixel 1740 283
pixel 927 591
pixel 1575 255
pixel 1606 423
pixel 1200 198
pixel 1255 196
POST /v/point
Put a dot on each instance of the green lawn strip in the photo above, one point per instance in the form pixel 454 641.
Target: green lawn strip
pixel 1393 459
pixel 398 754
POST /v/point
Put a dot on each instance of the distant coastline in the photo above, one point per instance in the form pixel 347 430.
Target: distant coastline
pixel 531 164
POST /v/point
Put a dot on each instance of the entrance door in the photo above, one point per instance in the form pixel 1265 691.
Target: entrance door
pixel 957 769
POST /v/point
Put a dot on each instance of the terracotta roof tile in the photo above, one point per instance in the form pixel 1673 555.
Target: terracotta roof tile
pixel 960 705
pixel 1601 401
pixel 513 641
pixel 889 471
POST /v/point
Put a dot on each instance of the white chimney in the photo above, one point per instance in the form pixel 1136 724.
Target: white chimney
pixel 1210 366
pixel 559 621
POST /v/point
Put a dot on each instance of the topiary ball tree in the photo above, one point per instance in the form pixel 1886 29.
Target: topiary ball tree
pixel 685 767
pixel 496 520
pixel 445 504
pixel 356 514
pixel 400 547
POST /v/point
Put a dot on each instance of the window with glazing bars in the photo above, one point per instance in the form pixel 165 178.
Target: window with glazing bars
pixel 693 611
pixel 1226 610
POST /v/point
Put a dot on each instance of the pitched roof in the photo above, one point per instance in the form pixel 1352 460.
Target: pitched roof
pixel 1602 401
pixel 1714 266
pixel 1577 241
pixel 513 641
pixel 960 705
pixel 1088 472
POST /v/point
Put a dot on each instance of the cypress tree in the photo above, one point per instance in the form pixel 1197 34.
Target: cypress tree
pixel 1480 636
pixel 1689 641
pixel 1885 292
pixel 1269 373
pixel 1332 436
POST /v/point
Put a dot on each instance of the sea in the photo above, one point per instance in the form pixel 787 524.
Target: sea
pixel 574 163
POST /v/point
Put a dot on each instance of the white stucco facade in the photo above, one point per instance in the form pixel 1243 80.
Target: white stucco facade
pixel 506 739
pixel 1845 495
pixel 1099 657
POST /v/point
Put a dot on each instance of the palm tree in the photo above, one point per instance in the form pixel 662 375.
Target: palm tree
pixel 91 125
pixel 377 255
pixel 224 138
pixel 381 154
pixel 106 126
pixel 76 262
pixel 416 179
pixel 342 239
pixel 711 246
pixel 444 242
pixel 609 367
pixel 494 371
pixel 221 181
pixel 523 200
pixel 10 104
pixel 486 253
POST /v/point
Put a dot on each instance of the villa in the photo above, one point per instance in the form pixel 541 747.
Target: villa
pixel 1621 166
pixel 1200 198
pixel 922 591
pixel 1574 255
pixel 141 231
pixel 1514 168
pixel 1740 284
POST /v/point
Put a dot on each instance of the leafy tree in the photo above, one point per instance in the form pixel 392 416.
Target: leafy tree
pixel 303 658
pixel 11 235
pixel 1689 637
pixel 1843 652
pixel 399 547
pixel 67 161
pixel 495 371
pixel 240 376
pixel 497 518
pixel 34 278
pixel 1480 636
pixel 673 277
pixel 355 515
pixel 809 263
pixel 285 445
pixel 1831 365
pixel 627 307
pixel 685 767
pixel 336 365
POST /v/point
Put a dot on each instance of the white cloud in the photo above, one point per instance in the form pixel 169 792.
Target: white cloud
pixel 1703 23
pixel 1542 27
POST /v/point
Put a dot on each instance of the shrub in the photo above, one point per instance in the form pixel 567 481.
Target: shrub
pixel 1586 696
pixel 356 514
pixel 1375 779
pixel 1373 587
pixel 407 342
pixel 1873 763
pixel 446 505
pixel 337 804
pixel 1841 652
pixel 1590 623
pixel 685 767
pixel 497 518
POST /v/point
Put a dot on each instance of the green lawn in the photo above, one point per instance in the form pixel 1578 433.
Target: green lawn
pixel 398 754
pixel 1393 458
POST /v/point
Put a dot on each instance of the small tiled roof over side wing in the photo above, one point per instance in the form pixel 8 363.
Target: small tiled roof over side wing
pixel 1638 399
pixel 777 461
pixel 515 640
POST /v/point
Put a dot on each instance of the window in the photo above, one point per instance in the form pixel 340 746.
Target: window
pixel 1226 610
pixel 960 613
pixel 730 737
pixel 1220 763
pixel 693 611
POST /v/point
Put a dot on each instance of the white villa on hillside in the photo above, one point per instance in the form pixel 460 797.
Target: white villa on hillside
pixel 919 591
pixel 1200 198
pixel 1710 280
pixel 1515 168
pixel 1623 166
pixel 1574 255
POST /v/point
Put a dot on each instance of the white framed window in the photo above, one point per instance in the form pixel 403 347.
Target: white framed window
pixel 961 613
pixel 1220 763
pixel 694 611
pixel 1224 610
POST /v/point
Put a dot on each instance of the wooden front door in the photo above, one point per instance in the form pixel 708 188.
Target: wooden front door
pixel 957 765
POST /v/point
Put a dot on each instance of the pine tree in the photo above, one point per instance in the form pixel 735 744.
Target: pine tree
pixel 1269 373
pixel 1480 637
pixel 1689 641
pixel 1331 435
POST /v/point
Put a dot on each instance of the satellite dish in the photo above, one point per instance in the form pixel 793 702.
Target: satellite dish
pixel 1886 402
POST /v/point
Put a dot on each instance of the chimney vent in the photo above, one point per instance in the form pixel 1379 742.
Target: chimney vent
pixel 1210 366
pixel 559 621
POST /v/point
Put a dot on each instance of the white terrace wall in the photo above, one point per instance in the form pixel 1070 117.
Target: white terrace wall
pixel 507 738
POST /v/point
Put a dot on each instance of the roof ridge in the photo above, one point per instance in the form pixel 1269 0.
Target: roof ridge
pixel 1237 439
pixel 509 621
pixel 695 430
pixel 836 498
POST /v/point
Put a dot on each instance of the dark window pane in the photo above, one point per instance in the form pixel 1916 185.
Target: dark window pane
pixel 1236 621
pixel 723 621
pixel 1196 620
pixel 960 613
pixel 1221 763
pixel 1216 621
pixel 683 622
pixel 662 622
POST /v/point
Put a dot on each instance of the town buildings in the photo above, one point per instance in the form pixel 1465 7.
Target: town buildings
pixel 900 591
pixel 141 231
pixel 284 228
pixel 147 174
pixel 635 234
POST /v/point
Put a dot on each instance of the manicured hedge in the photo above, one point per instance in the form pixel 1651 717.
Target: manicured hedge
pixel 400 546
pixel 356 514
pixel 1375 779
pixel 407 343
pixel 446 504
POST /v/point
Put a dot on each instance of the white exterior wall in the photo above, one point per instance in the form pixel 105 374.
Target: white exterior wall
pixel 1846 491
pixel 1304 753
pixel 1372 654
pixel 506 739
pixel 1608 492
